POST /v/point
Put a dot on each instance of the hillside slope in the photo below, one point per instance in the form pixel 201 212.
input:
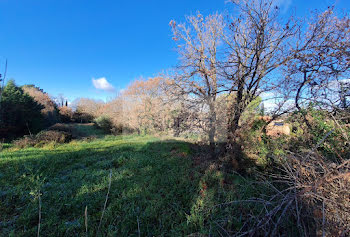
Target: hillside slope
pixel 151 188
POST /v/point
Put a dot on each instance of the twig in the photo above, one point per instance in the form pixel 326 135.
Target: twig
pixel 29 130
pixel 138 226
pixel 297 209
pixel 3 84
pixel 323 220
pixel 219 233
pixel 39 214
pixel 257 200
pixel 86 221
pixel 5 72
pixel 320 142
pixel 222 228
pixel 343 132
pixel 2 80
pixel 105 204
pixel 281 216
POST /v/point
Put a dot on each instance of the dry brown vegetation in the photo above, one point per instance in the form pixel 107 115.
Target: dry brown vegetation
pixel 228 65
pixel 43 138
pixel 307 197
pixel 321 188
pixel 49 110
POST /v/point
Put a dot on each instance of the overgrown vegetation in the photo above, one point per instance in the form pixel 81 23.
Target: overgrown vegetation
pixel 161 186
pixel 104 123
pixel 206 158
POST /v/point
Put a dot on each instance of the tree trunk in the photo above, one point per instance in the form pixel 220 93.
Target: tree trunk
pixel 297 97
pixel 234 115
pixel 212 128
pixel 232 126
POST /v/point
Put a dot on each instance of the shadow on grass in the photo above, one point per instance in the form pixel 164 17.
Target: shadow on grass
pixel 158 187
pixel 152 189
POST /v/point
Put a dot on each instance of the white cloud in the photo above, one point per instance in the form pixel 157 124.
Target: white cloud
pixel 103 84
pixel 268 95
pixel 273 105
pixel 336 84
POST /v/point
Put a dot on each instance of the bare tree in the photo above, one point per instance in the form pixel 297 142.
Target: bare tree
pixel 88 106
pixel 60 100
pixel 197 75
pixel 322 58
pixel 259 42
pixel 144 105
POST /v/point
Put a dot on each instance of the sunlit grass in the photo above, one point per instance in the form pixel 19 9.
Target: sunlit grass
pixel 154 185
pixel 148 183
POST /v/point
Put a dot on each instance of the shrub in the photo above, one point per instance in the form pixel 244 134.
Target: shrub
pixel 61 127
pixel 116 130
pixel 25 141
pixel 306 196
pixel 43 138
pixel 66 128
pixel 66 114
pixel 104 123
pixel 81 117
pixel 321 186
pixel 53 136
pixel 322 128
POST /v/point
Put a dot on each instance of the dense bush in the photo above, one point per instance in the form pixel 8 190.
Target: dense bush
pixel 312 127
pixel 66 114
pixel 118 129
pixel 53 136
pixel 104 123
pixel 42 138
pixel 25 141
pixel 20 114
pixel 82 117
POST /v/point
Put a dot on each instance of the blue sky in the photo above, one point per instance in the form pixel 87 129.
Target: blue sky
pixel 62 45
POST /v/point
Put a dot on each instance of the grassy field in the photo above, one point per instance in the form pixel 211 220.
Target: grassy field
pixel 156 190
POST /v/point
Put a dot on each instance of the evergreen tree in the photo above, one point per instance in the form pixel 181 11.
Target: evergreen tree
pixel 19 114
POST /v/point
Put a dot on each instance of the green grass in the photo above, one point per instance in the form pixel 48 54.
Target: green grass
pixel 88 130
pixel 154 186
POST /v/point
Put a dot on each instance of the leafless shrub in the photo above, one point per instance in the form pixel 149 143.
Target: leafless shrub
pixel 43 138
pixel 308 196
pixel 322 186
pixel 53 136
pixel 25 141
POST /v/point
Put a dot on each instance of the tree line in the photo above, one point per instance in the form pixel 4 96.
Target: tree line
pixel 228 62
pixel 229 65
